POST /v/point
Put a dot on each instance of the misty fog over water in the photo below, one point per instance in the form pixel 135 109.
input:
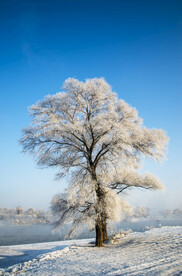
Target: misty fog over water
pixel 37 233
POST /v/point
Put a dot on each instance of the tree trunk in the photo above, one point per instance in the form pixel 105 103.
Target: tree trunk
pixel 100 196
pixel 99 233
pixel 104 229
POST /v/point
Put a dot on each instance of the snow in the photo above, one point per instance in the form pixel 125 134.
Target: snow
pixel 154 252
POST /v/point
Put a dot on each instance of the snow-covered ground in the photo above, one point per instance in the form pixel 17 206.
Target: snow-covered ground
pixel 154 252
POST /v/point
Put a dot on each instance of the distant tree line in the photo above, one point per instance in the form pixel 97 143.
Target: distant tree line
pixel 21 217
pixel 33 216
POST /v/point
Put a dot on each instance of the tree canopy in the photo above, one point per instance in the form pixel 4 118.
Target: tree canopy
pixel 98 141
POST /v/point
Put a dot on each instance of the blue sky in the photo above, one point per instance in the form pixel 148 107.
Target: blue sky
pixel 135 45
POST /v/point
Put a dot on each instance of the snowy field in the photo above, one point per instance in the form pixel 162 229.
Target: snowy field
pixel 154 252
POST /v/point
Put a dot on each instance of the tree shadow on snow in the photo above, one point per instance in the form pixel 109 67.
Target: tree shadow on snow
pixel 27 255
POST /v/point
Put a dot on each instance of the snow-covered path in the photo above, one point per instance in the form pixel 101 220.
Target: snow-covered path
pixel 154 252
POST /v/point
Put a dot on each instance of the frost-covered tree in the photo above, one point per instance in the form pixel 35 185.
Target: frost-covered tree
pixel 97 141
pixel 141 212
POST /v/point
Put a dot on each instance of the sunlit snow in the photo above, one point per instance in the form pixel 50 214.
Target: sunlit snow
pixel 154 252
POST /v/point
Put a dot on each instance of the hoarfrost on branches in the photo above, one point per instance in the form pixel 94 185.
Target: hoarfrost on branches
pixel 98 141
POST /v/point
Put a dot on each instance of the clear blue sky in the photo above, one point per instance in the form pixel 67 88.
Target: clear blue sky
pixel 135 45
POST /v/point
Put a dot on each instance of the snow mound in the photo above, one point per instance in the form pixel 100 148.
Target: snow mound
pixel 53 255
pixel 117 237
